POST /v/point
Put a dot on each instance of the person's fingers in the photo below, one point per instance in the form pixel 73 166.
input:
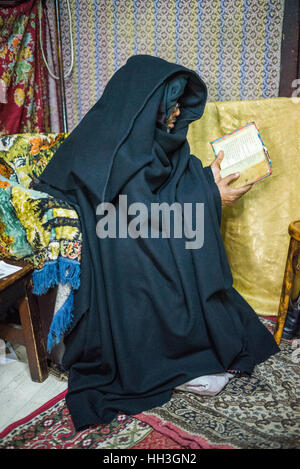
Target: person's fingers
pixel 242 190
pixel 220 157
pixel 217 161
pixel 246 188
pixel 231 177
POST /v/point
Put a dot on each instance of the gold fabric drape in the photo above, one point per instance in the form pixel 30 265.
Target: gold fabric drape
pixel 255 228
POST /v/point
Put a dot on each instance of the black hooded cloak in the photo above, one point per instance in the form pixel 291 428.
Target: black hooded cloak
pixel 150 314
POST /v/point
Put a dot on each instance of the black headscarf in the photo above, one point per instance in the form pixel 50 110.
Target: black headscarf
pixel 150 314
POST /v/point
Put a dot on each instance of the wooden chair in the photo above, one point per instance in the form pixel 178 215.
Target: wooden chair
pixel 17 289
pixel 290 269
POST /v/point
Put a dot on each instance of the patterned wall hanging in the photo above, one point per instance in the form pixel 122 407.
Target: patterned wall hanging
pixel 24 103
pixel 233 44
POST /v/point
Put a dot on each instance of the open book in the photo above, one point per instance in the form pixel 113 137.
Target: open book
pixel 244 152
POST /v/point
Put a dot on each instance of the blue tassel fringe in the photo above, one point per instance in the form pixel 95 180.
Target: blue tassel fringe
pixel 69 272
pixel 60 323
pixel 64 271
pixel 45 278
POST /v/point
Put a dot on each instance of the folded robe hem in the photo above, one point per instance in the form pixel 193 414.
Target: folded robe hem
pixel 141 404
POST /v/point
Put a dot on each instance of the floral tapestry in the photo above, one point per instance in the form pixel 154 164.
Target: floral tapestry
pixel 23 76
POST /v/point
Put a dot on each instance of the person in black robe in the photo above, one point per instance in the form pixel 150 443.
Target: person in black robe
pixel 151 314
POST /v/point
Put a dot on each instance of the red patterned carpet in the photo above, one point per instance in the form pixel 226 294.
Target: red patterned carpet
pixel 257 412
pixel 50 427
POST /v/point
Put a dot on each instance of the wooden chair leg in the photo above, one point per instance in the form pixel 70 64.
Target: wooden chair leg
pixel 286 290
pixel 34 340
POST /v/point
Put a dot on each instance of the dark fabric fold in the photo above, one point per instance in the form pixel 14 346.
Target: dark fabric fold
pixel 150 314
pixel 214 188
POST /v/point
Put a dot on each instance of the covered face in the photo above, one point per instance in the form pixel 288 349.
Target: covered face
pixel 171 120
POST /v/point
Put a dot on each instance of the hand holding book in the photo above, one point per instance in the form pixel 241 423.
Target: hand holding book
pixel 228 194
pixel 241 160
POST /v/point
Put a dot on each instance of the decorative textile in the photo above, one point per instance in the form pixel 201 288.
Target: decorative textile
pixel 23 77
pixel 257 412
pixel 50 427
pixel 198 323
pixel 233 44
pixel 255 228
pixel 51 53
pixel 35 226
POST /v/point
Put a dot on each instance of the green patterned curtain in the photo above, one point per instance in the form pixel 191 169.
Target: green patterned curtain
pixel 233 44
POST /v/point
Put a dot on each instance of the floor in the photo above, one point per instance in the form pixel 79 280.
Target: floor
pixel 19 396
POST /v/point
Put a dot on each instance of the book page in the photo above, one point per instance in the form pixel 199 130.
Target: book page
pixel 7 269
pixel 243 164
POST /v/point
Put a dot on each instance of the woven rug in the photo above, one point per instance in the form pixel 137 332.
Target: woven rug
pixel 50 427
pixel 257 412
